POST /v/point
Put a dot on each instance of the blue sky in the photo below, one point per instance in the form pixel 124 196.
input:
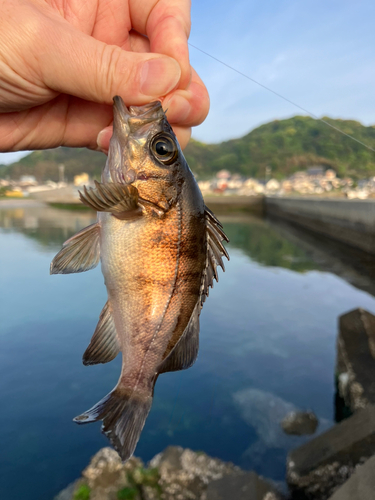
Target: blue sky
pixel 320 54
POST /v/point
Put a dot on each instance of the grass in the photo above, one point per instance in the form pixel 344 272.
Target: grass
pixel 82 493
pixel 127 493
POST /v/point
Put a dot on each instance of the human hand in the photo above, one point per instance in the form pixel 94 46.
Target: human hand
pixel 61 63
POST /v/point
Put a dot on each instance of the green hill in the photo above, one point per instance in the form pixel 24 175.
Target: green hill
pixel 285 146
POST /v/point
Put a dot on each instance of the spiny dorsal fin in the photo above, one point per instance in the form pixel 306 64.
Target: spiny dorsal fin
pixel 104 345
pixel 215 252
pixel 79 253
pixel 185 351
pixel 119 199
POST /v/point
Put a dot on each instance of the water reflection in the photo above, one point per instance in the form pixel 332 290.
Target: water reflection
pixel 48 226
pixel 268 334
pixel 256 238
pixel 260 241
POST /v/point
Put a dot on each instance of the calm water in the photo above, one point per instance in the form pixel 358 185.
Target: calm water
pixel 268 335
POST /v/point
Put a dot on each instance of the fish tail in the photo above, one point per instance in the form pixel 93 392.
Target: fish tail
pixel 123 413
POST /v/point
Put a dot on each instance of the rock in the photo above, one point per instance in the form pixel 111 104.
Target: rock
pixel 175 474
pixel 356 359
pixel 317 468
pixel 106 474
pixel 246 486
pixel 264 412
pixel 299 423
pixel 184 474
pixel 360 486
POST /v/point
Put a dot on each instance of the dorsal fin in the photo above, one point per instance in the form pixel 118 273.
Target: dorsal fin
pixel 79 253
pixel 215 251
pixel 104 345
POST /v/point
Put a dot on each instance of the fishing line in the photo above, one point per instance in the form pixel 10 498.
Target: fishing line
pixel 282 97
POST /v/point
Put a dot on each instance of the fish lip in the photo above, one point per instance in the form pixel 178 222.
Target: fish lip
pixel 128 120
pixel 153 109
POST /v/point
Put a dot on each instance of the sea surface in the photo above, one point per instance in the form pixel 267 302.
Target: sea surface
pixel 268 334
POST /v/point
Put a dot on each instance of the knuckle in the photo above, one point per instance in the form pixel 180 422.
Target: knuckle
pixel 110 72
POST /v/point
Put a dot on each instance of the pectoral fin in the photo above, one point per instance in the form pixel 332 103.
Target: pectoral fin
pixel 104 345
pixel 185 351
pixel 119 199
pixel 79 253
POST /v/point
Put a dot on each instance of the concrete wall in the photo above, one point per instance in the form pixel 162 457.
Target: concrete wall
pixel 349 221
pixel 226 204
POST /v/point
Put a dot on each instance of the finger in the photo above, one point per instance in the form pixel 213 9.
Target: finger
pixel 113 23
pixel 167 25
pixel 183 135
pixel 77 64
pixel 64 121
pixel 188 107
pixel 138 42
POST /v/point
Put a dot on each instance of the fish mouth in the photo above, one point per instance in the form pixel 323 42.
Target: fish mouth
pixel 133 127
pixel 130 120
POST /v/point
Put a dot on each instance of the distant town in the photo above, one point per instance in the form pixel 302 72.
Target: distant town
pixel 316 180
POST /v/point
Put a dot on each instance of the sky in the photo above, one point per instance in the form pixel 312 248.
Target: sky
pixel 318 54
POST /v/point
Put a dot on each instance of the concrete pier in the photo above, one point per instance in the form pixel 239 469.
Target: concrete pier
pixel 349 221
pixel 233 203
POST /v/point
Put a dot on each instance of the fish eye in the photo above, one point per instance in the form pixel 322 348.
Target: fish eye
pixel 164 149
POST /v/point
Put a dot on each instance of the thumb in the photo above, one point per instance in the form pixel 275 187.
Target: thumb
pixel 80 65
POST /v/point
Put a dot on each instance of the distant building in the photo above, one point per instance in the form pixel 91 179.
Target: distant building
pixel 315 171
pixel 16 193
pixel 330 174
pixel 223 174
pixel 27 179
pixel 81 179
pixel 273 185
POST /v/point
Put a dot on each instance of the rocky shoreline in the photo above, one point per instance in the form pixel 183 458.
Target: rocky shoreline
pixel 174 474
pixel 338 464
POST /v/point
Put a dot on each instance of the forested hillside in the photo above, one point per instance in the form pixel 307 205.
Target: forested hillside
pixel 283 145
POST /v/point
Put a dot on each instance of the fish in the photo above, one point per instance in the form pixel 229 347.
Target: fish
pixel 160 248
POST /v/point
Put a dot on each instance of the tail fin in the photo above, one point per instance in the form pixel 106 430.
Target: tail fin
pixel 124 415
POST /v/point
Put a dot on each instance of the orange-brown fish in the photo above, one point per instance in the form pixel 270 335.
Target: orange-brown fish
pixel 159 248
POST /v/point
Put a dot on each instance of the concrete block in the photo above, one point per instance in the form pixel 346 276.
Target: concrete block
pixel 360 486
pixel 317 468
pixel 248 486
pixel 349 221
pixel 355 367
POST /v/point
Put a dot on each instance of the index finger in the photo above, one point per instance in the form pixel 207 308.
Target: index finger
pixel 167 25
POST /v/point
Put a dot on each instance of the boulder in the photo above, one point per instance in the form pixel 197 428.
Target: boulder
pixel 184 474
pixel 300 423
pixel 106 475
pixel 317 468
pixel 360 486
pixel 174 474
pixel 355 367
pixel 246 486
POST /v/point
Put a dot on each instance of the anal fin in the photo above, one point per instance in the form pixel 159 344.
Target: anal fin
pixel 104 345
pixel 185 352
pixel 79 253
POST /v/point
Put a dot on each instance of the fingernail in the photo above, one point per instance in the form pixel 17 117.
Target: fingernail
pixel 159 76
pixel 177 108
pixel 103 138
